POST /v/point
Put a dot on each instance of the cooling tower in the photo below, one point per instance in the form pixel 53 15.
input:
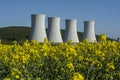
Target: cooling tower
pixel 71 31
pixel 89 31
pixel 54 34
pixel 38 31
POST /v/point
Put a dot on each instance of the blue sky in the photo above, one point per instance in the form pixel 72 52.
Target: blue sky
pixel 105 13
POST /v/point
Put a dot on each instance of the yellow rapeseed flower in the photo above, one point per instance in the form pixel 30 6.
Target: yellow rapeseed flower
pixel 102 37
pixel 110 66
pixel 69 65
pixel 17 76
pixel 77 76
pixel 6 79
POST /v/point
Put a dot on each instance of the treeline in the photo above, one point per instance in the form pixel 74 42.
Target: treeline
pixel 21 33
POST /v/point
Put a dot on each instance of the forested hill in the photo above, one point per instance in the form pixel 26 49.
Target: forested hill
pixel 21 33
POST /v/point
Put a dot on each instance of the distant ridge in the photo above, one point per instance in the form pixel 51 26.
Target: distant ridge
pixel 11 33
pixel 21 33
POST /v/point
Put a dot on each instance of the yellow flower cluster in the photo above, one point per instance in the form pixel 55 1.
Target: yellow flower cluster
pixel 102 37
pixel 63 61
pixel 77 76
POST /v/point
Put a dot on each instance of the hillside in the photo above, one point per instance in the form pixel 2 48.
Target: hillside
pixel 21 33
pixel 9 34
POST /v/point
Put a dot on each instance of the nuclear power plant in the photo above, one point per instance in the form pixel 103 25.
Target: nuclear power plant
pixel 54 34
pixel 89 31
pixel 38 31
pixel 71 31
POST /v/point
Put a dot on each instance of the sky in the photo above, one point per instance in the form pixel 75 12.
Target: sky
pixel 105 13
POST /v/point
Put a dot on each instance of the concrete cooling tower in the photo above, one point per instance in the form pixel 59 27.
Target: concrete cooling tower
pixel 38 31
pixel 89 31
pixel 71 31
pixel 54 34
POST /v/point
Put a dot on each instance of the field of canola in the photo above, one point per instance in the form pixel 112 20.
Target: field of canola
pixel 64 61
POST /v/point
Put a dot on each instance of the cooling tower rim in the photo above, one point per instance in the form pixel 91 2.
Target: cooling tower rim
pixel 37 14
pixel 90 21
pixel 70 19
pixel 53 17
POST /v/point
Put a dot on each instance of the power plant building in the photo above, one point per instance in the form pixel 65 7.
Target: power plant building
pixel 38 31
pixel 89 31
pixel 71 31
pixel 54 34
